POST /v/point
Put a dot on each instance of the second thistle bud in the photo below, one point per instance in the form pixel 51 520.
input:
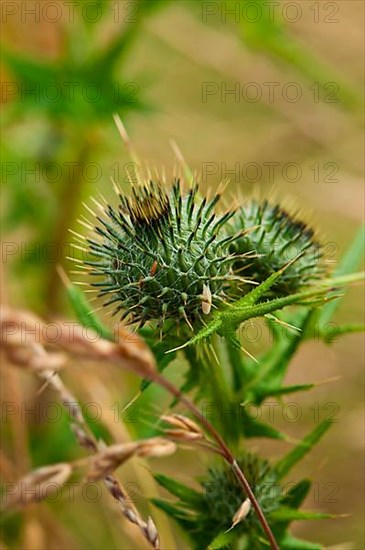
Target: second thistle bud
pixel 274 238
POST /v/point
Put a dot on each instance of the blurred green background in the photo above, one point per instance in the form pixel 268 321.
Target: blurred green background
pixel 266 94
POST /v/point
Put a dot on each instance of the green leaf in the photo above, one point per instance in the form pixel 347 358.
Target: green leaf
pixel 186 494
pixel 222 540
pixel 286 514
pixel 275 363
pixel 180 516
pixel 292 500
pixel 70 80
pixel 277 392
pixel 297 494
pixel 253 428
pixel 292 543
pixel 329 336
pixel 261 290
pixel 241 369
pixel 83 312
pixel 29 70
pixel 227 321
pixel 287 463
pixel 349 263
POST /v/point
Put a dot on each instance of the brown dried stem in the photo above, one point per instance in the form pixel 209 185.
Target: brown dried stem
pixel 131 353
pixel 45 364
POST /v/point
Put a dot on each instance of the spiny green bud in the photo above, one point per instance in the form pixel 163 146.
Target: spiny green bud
pixel 223 494
pixel 219 514
pixel 275 238
pixel 163 255
pixel 220 506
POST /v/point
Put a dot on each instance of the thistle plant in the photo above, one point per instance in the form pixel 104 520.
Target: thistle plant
pixel 165 258
pixel 217 507
pixel 176 268
pixel 187 278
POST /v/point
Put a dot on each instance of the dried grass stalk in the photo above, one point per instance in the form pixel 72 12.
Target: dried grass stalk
pixel 37 485
pixel 27 343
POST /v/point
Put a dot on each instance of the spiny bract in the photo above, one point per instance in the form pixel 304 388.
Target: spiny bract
pixel 223 494
pixel 211 515
pixel 208 513
pixel 163 255
pixel 276 238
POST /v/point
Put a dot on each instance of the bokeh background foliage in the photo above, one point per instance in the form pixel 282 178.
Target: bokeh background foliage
pixel 150 59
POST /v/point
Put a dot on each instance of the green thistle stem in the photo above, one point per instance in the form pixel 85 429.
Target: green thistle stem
pixel 220 381
pixel 226 453
pixel 228 320
pixel 237 366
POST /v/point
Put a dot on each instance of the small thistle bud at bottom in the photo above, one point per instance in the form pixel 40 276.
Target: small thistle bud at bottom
pixel 276 238
pixel 220 507
pixel 223 493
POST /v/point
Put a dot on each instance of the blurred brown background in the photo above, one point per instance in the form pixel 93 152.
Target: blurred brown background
pixel 176 51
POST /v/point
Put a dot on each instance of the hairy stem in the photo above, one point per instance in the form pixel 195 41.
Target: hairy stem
pixel 226 453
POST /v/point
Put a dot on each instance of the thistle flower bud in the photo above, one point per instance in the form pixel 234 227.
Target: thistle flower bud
pixel 274 240
pixel 162 255
pixel 220 506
